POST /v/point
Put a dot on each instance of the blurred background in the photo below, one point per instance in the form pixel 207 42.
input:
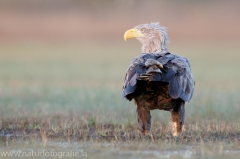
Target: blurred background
pixel 74 20
pixel 69 56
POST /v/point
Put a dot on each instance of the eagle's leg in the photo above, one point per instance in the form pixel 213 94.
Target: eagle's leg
pixel 144 119
pixel 177 117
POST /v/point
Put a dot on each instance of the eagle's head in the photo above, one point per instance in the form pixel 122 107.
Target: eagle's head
pixel 152 36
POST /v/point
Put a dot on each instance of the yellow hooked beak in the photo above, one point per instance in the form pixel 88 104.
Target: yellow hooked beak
pixel 132 33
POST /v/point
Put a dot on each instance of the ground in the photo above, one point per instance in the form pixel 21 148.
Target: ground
pixel 63 97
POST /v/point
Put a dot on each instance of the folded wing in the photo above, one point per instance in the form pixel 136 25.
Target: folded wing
pixel 176 71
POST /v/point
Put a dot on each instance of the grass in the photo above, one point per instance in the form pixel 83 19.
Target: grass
pixel 68 97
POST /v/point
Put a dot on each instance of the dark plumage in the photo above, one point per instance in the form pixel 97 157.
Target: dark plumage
pixel 157 79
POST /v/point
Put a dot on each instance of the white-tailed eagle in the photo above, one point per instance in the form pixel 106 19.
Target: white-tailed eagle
pixel 157 79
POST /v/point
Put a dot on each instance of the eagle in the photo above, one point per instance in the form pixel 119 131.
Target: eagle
pixel 157 79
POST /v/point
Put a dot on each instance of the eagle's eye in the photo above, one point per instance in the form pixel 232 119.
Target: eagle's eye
pixel 143 29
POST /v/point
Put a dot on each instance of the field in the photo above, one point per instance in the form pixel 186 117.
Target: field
pixel 67 97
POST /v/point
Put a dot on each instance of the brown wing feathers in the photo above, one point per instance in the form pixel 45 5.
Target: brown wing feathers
pixel 176 70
